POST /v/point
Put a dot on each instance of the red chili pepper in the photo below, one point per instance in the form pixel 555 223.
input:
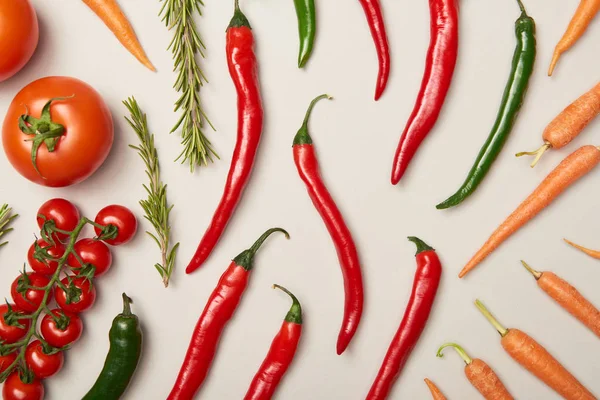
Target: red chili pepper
pixel 221 305
pixel 243 70
pixel 425 285
pixel 377 25
pixel 280 354
pixel 439 68
pixel 308 168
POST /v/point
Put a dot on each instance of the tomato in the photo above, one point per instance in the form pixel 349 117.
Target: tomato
pixel 64 214
pixel 43 365
pixel 84 144
pixel 19 34
pixel 15 389
pixel 120 217
pixel 67 331
pixel 82 294
pixel 10 333
pixel 7 360
pixel 33 297
pixel 92 252
pixel 45 267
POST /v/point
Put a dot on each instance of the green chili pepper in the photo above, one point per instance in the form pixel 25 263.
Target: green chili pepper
pixel 125 349
pixel 514 93
pixel 305 11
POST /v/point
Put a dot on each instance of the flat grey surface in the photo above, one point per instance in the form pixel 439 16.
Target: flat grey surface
pixel 355 139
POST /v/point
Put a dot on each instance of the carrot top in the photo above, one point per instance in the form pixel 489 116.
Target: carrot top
pixel 461 352
pixel 488 315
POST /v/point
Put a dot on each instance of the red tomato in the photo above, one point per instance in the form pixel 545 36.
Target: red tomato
pixel 46 267
pixel 67 331
pixel 120 217
pixel 15 389
pixel 7 360
pixel 79 152
pixel 64 214
pixel 19 33
pixel 83 295
pixel 92 252
pixel 9 333
pixel 33 298
pixel 41 364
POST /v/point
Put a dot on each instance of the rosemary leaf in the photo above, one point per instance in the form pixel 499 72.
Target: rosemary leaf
pixel 6 217
pixel 156 207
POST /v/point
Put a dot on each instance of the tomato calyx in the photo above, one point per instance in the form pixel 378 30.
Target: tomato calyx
pixel 107 232
pixel 86 271
pixel 42 255
pixel 61 320
pixel 43 129
pixel 72 292
pixel 12 317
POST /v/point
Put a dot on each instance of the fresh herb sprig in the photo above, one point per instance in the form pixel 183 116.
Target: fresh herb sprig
pixel 6 217
pixel 178 15
pixel 156 207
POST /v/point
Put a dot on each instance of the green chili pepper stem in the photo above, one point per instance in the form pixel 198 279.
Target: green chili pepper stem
pixel 536 274
pixel 461 352
pixel 238 20
pixel 246 258
pixel 421 245
pixel 303 137
pixel 295 314
pixel 488 315
pixel 126 305
pixel 522 7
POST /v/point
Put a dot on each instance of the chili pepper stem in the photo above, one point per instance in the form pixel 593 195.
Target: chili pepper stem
pixel 311 106
pixel 126 305
pixel 522 7
pixel 246 257
pixel 488 315
pixel 295 313
pixel 421 245
pixel 536 274
pixel 461 352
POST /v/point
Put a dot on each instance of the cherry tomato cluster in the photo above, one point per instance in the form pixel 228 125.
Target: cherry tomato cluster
pixel 63 269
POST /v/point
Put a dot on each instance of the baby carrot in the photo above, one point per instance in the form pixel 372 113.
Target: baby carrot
pixel 568 124
pixel 568 298
pixel 435 392
pixel 481 376
pixel 110 13
pixel 589 252
pixel 536 359
pixel 576 165
pixel 585 13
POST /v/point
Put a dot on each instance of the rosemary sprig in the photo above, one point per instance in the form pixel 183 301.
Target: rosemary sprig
pixel 156 206
pixel 6 217
pixel 178 15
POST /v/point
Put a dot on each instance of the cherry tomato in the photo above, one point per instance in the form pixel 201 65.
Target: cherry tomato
pixel 9 333
pixel 19 34
pixel 47 267
pixel 41 364
pixel 7 360
pixel 58 335
pixel 33 297
pixel 15 389
pixel 64 214
pixel 92 252
pixel 120 217
pixel 87 137
pixel 83 295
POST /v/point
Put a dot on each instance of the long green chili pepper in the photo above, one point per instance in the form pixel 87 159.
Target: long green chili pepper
pixel 305 11
pixel 514 93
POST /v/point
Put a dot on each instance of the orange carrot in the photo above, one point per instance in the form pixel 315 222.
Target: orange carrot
pixel 589 252
pixel 585 13
pixel 481 376
pixel 110 13
pixel 568 124
pixel 435 392
pixel 576 165
pixel 568 298
pixel 536 359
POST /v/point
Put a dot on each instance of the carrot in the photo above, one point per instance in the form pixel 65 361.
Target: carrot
pixel 585 13
pixel 592 253
pixel 481 376
pixel 568 124
pixel 110 13
pixel 568 298
pixel 564 175
pixel 536 359
pixel 435 392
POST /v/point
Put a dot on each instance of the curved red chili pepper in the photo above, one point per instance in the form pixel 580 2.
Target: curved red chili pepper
pixel 439 68
pixel 425 285
pixel 219 309
pixel 377 25
pixel 308 168
pixel 243 70
pixel 280 354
